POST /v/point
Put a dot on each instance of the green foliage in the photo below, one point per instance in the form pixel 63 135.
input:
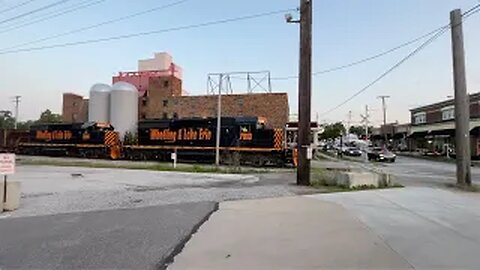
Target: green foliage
pixel 333 131
pixel 359 130
pixel 48 117
pixel 130 138
pixel 25 124
pixel 196 168
pixel 7 121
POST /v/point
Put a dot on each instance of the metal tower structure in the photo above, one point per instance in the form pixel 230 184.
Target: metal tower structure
pixel 255 80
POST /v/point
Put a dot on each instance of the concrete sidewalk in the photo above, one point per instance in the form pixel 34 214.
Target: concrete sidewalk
pixel 431 228
pixel 286 233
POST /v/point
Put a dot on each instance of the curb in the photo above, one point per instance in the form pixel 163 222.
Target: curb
pixel 169 259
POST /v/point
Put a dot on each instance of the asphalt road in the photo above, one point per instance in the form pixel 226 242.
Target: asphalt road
pixel 141 238
pixel 419 172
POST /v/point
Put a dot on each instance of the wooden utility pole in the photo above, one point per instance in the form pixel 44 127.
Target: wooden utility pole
pixel 462 104
pixel 384 108
pixel 304 93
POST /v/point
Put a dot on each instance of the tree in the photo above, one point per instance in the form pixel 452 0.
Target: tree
pixel 6 120
pixel 332 131
pixel 25 124
pixel 359 130
pixel 48 117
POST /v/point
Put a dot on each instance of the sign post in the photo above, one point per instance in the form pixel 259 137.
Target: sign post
pixel 174 158
pixel 7 167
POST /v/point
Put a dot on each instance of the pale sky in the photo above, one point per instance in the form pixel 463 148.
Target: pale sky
pixel 344 31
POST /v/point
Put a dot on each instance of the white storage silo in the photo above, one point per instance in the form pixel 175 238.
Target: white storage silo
pixel 99 103
pixel 124 108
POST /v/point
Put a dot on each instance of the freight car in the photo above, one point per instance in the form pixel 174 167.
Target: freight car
pixel 88 140
pixel 244 140
pixel 10 139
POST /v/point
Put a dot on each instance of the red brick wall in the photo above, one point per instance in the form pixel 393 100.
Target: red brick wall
pixel 165 86
pixel 74 109
pixel 475 110
pixel 273 106
pixel 434 116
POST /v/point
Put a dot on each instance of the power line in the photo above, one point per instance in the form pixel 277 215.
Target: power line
pixel 373 57
pixel 46 14
pixel 466 14
pixel 444 29
pixel 165 30
pixel 414 52
pixel 17 6
pixel 471 11
pixel 35 11
pixel 96 25
pixel 52 15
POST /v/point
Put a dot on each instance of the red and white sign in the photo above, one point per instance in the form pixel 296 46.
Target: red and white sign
pixel 7 164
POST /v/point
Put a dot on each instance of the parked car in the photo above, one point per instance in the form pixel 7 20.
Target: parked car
pixel 380 154
pixel 352 151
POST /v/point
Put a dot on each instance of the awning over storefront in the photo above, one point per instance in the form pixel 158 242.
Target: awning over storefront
pixel 445 129
pixel 418 134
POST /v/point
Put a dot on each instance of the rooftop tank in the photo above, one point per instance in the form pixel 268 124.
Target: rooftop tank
pixel 99 103
pixel 124 108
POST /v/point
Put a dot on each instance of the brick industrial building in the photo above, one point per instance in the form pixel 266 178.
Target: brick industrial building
pixel 161 97
pixel 75 108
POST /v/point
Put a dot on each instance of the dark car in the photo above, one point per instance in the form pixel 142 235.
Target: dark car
pixel 380 154
pixel 352 151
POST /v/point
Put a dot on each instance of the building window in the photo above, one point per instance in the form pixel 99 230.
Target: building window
pixel 448 113
pixel 165 103
pixel 74 104
pixel 175 115
pixel 165 115
pixel 165 84
pixel 144 102
pixel 420 118
pixel 143 116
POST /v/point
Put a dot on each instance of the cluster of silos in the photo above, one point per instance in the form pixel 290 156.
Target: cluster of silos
pixel 117 105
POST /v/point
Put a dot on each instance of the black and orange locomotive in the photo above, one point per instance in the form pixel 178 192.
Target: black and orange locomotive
pixel 88 140
pixel 244 140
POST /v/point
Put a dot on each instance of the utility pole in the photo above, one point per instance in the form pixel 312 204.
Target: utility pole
pixel 16 100
pixel 462 108
pixel 219 121
pixel 304 91
pixel 384 108
pixel 349 122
